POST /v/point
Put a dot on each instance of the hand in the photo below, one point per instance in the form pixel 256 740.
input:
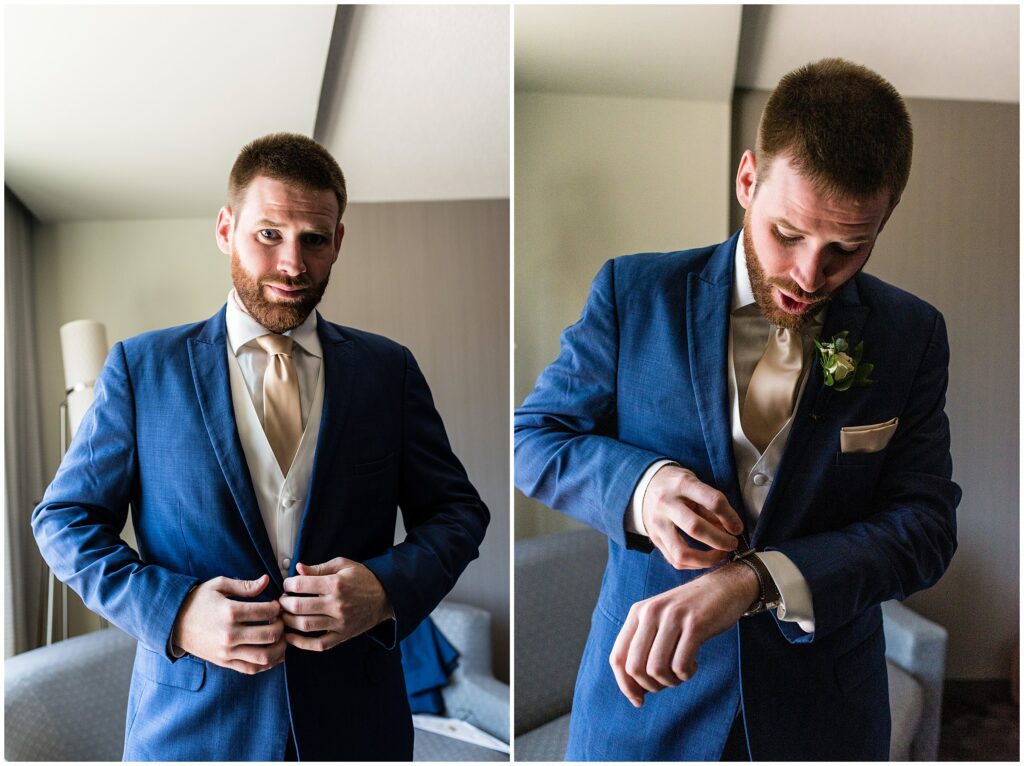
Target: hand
pixel 240 635
pixel 341 597
pixel 677 500
pixel 657 646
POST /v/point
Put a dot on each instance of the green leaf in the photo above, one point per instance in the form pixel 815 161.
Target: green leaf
pixel 844 384
pixel 828 378
pixel 858 352
pixel 841 344
pixel 864 370
pixel 843 334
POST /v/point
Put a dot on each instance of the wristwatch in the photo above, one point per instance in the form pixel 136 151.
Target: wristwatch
pixel 769 596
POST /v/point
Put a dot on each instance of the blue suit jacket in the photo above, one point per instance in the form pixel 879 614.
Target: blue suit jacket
pixel 643 375
pixel 161 435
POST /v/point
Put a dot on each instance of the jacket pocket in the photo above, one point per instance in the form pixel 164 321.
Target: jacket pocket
pixel 187 673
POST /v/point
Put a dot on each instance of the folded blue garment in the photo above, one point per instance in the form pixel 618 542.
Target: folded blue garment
pixel 428 658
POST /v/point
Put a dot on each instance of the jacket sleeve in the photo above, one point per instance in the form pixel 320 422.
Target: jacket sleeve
pixel 444 517
pixel 905 539
pixel 567 454
pixel 78 523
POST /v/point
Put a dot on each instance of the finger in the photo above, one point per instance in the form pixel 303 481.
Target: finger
pixel 257 634
pixel 715 503
pixel 261 655
pixel 684 658
pixel 327 567
pixel 314 584
pixel 253 611
pixel 247 668
pixel 681 556
pixel 690 521
pixel 314 643
pixel 309 623
pixel 304 605
pixel 639 650
pixel 244 588
pixel 659 661
pixel 617 659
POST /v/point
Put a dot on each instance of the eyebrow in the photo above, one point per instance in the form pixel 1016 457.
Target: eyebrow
pixel 312 230
pixel 856 240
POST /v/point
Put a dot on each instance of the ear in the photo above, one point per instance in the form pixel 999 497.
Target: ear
pixel 225 229
pixel 339 235
pixel 746 179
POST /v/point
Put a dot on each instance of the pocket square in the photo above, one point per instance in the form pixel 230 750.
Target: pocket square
pixel 873 438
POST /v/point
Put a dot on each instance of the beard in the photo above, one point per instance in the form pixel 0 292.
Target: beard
pixel 276 317
pixel 761 285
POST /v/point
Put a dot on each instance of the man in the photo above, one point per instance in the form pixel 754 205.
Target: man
pixel 691 417
pixel 264 452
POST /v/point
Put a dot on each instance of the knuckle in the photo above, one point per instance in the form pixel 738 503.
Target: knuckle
pixel 634 667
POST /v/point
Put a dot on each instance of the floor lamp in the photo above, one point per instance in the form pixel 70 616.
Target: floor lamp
pixel 84 348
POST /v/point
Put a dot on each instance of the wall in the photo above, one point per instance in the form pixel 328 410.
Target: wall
pixel 432 275
pixel 954 241
pixel 597 177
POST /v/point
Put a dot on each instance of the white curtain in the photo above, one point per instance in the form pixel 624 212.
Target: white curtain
pixel 25 478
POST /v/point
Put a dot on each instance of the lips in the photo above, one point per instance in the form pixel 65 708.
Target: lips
pixel 793 306
pixel 281 291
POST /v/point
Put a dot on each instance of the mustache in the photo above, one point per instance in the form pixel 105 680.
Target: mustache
pixel 302 281
pixel 797 292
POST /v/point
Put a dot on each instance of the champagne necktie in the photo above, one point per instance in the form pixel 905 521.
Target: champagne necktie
pixel 282 416
pixel 771 393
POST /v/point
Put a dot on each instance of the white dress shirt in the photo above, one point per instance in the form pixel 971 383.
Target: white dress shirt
pixel 281 498
pixel 748 337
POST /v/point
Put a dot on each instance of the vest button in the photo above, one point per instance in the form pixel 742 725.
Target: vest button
pixel 760 479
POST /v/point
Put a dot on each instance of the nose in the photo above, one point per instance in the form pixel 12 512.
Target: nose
pixel 809 269
pixel 289 258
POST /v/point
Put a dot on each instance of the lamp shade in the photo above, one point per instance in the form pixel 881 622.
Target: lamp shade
pixel 84 347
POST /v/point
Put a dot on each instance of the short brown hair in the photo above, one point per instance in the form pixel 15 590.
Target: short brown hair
pixel 291 158
pixel 845 128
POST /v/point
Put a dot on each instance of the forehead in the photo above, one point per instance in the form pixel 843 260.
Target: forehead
pixel 279 201
pixel 788 195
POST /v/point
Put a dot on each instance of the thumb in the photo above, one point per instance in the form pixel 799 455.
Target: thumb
pixel 243 587
pixel 328 567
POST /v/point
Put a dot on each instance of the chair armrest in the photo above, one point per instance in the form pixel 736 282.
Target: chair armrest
pixel 469 630
pixel 918 645
pixel 479 699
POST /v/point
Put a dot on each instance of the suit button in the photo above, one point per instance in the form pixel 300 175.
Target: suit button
pixel 286 563
pixel 760 479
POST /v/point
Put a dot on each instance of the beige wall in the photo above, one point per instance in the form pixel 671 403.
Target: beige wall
pixel 597 177
pixel 432 275
pixel 954 241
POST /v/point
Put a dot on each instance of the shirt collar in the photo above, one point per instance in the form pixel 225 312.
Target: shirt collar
pixel 243 329
pixel 742 292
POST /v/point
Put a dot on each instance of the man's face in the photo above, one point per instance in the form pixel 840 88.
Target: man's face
pixel 801 245
pixel 282 241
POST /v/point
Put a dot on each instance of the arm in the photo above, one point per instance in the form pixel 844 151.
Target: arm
pixel 443 514
pixel 77 526
pixel 568 454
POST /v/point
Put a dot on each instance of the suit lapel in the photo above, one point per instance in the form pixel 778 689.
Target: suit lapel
pixel 845 313
pixel 208 356
pixel 708 300
pixel 339 375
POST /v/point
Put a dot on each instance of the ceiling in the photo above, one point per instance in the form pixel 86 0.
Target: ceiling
pixel 695 52
pixel 134 112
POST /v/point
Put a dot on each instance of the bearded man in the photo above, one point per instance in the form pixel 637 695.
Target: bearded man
pixel 263 453
pixel 758 428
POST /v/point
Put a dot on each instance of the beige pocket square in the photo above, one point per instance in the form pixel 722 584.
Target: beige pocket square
pixel 873 438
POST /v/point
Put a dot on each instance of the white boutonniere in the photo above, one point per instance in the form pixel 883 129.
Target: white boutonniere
pixel 842 369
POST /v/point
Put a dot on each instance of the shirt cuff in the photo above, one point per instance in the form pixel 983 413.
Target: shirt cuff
pixel 796 604
pixel 634 520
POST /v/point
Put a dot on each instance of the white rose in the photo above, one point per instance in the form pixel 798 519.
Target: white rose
pixel 844 365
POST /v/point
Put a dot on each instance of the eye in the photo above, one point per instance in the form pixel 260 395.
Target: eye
pixel 843 250
pixel 314 240
pixel 268 234
pixel 787 241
